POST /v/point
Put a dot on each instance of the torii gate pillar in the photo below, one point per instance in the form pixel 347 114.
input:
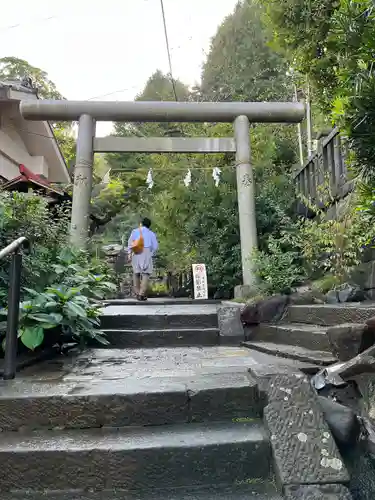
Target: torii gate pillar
pixel 241 113
pixel 246 202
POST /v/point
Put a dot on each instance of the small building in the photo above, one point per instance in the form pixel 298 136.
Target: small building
pixel 27 148
pixel 28 181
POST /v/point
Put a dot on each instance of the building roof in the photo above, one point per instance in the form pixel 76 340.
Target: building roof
pixel 31 180
pixel 38 136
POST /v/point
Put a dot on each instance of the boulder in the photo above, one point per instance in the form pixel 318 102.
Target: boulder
pixel 332 297
pixel 351 294
pixel 342 422
pixel 265 310
pixel 350 339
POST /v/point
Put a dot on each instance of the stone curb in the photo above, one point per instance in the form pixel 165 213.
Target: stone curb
pixel 231 331
pixel 304 451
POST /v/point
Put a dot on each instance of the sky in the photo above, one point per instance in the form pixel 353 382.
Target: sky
pixel 106 50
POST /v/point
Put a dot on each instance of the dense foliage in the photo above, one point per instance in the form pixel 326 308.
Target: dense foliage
pixel 241 66
pixel 59 285
pixel 332 43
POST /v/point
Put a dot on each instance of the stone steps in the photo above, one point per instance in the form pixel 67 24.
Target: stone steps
pixel 313 337
pixel 232 397
pixel 163 337
pixel 159 317
pixel 330 314
pixel 322 358
pixel 246 490
pixel 175 423
pixel 177 456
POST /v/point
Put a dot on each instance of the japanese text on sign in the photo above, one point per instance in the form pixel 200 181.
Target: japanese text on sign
pixel 200 281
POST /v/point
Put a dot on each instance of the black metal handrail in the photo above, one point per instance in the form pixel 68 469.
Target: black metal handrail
pixel 14 293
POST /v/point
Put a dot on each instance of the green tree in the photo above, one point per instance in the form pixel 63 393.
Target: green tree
pixel 241 65
pixel 332 43
pixel 13 68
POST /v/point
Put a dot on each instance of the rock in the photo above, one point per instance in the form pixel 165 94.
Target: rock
pixel 317 492
pixel 249 315
pixel 342 422
pixel 350 339
pixel 265 311
pixel 351 294
pixel 368 435
pixel 230 324
pixel 306 296
pixel 332 297
pixel 371 324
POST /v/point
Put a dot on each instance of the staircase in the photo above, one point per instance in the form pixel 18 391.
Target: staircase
pixel 302 332
pixel 167 412
pixel 161 323
pixel 134 422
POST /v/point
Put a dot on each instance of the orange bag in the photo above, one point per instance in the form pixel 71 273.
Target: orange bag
pixel 139 244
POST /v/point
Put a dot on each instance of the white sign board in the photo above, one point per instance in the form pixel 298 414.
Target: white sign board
pixel 200 281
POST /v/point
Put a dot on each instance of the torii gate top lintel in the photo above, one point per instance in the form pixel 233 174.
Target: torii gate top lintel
pixel 163 111
pixel 239 113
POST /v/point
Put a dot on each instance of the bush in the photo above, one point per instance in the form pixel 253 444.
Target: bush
pixel 336 246
pixel 59 285
pixel 61 308
pixel 29 215
pixel 279 269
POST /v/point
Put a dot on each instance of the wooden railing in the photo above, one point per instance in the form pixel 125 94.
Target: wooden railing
pixel 325 168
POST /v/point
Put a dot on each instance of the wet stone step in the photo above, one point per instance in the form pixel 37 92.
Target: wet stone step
pixel 159 317
pixel 164 337
pixel 330 314
pixel 167 456
pixel 312 337
pixel 125 402
pixel 253 489
pixel 322 358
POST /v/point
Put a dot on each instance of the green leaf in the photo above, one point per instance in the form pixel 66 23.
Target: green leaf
pixel 32 337
pixel 74 310
pixel 59 269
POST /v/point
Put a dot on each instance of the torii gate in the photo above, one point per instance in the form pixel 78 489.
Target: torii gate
pixel 241 113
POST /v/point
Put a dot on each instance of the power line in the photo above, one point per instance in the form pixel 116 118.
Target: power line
pixel 19 25
pixel 111 93
pixel 168 49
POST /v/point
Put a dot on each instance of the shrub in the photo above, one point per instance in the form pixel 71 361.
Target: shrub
pixel 59 284
pixel 279 269
pixel 57 308
pixel 28 215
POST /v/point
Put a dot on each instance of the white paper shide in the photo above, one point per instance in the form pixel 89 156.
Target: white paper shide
pixel 200 281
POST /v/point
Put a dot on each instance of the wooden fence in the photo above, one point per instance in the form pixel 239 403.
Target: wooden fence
pixel 326 166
